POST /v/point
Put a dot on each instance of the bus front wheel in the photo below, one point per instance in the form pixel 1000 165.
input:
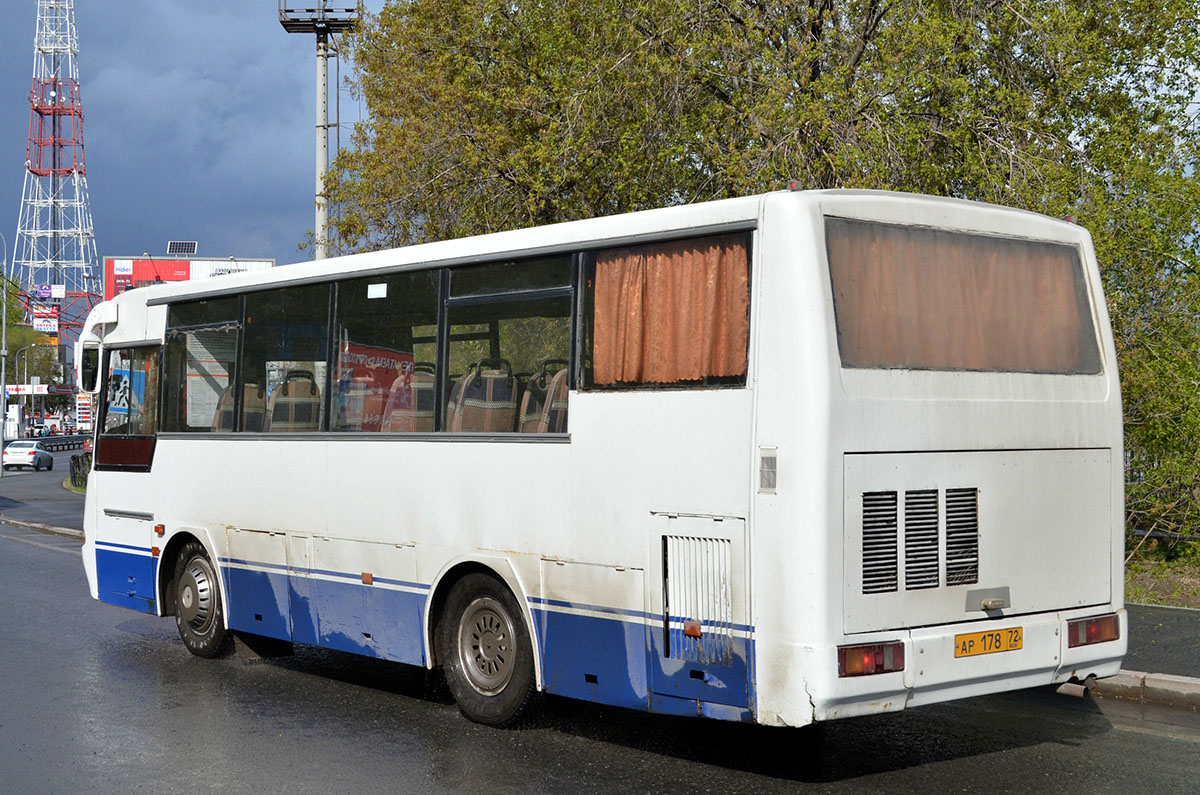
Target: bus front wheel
pixel 486 652
pixel 199 615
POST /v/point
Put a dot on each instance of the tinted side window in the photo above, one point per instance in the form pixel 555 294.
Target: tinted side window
pixel 198 375
pixel 284 354
pixel 509 348
pixel 386 353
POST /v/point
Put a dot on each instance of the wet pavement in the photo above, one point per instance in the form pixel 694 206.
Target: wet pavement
pixel 40 498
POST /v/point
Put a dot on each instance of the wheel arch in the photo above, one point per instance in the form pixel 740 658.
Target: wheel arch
pixel 502 570
pixel 169 558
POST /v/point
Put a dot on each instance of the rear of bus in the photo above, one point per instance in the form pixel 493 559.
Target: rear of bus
pixel 951 501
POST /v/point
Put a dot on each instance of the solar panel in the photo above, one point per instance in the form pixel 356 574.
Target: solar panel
pixel 187 247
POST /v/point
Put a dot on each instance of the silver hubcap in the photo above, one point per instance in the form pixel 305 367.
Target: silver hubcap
pixel 196 595
pixel 486 646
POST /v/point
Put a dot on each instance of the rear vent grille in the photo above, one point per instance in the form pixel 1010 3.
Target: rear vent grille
pixel 880 525
pixel 921 534
pixel 698 599
pixel 962 536
pixel 920 539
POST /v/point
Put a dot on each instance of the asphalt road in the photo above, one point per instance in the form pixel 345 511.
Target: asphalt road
pixel 95 698
pixel 39 497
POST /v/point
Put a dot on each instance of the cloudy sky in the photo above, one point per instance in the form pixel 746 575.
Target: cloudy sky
pixel 198 124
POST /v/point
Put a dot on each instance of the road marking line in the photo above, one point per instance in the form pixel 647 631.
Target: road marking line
pixel 68 550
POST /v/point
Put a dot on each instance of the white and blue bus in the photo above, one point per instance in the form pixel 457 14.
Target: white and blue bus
pixel 783 458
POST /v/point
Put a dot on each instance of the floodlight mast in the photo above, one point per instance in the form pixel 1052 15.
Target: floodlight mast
pixel 324 21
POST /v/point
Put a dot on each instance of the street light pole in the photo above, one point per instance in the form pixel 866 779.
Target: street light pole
pixel 18 364
pixel 4 354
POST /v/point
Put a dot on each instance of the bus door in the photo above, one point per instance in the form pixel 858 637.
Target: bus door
pixel 125 562
pixel 702 650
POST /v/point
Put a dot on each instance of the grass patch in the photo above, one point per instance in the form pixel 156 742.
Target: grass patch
pixel 1171 577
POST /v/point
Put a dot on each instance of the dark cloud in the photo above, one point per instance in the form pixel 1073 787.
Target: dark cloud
pixel 198 124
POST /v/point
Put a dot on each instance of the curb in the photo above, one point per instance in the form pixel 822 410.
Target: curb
pixel 1165 689
pixel 66 532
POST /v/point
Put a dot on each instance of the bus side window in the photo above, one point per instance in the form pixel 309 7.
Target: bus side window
pixel 386 345
pixel 198 366
pixel 284 352
pixel 510 332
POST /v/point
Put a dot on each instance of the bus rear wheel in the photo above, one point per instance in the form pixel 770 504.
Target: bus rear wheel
pixel 486 652
pixel 199 615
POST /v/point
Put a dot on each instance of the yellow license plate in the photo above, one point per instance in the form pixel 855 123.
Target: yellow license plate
pixel 990 642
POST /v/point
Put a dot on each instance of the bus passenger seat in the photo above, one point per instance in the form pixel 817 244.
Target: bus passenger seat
pixel 541 398
pixel 254 409
pixel 485 399
pixel 295 405
pixel 410 404
pixel 554 412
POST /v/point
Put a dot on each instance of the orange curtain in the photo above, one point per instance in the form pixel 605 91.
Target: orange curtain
pixel 926 298
pixel 672 312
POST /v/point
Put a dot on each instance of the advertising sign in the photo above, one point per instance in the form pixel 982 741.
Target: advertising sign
pixel 366 377
pixel 47 325
pixel 83 411
pixel 126 273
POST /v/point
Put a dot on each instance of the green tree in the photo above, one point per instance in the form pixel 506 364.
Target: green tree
pixel 489 115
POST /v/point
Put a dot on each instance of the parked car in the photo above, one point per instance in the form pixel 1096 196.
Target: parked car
pixel 27 453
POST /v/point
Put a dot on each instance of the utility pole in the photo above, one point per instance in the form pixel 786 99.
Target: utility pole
pixel 324 22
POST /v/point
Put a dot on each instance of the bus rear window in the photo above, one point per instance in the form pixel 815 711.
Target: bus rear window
pixel 929 299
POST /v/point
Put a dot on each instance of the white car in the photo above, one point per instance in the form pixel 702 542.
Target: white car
pixel 27 453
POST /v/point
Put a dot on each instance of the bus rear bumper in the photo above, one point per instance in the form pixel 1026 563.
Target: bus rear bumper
pixel 933 673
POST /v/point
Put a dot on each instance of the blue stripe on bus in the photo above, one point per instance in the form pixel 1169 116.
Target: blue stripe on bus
pixel 125 579
pixel 347 616
pixel 605 658
pixel 294 570
pixel 111 546
pixel 638 614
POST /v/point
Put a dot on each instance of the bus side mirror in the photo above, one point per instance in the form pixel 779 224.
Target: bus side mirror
pixel 89 369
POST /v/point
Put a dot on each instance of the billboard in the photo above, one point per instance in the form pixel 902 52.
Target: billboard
pixel 126 273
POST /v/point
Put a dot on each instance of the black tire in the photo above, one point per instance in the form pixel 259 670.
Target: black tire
pixel 199 613
pixel 50 466
pixel 486 653
pixel 36 466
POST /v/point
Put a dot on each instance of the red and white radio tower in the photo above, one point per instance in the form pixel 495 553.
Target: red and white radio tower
pixel 54 255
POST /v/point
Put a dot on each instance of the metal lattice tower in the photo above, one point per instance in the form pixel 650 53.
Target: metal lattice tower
pixel 55 244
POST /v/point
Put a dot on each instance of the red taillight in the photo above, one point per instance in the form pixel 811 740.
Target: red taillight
pixel 877 658
pixel 33 452
pixel 1087 631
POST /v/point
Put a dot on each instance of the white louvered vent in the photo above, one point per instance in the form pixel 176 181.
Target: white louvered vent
pixel 698 599
pixel 962 536
pixel 920 539
pixel 879 531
